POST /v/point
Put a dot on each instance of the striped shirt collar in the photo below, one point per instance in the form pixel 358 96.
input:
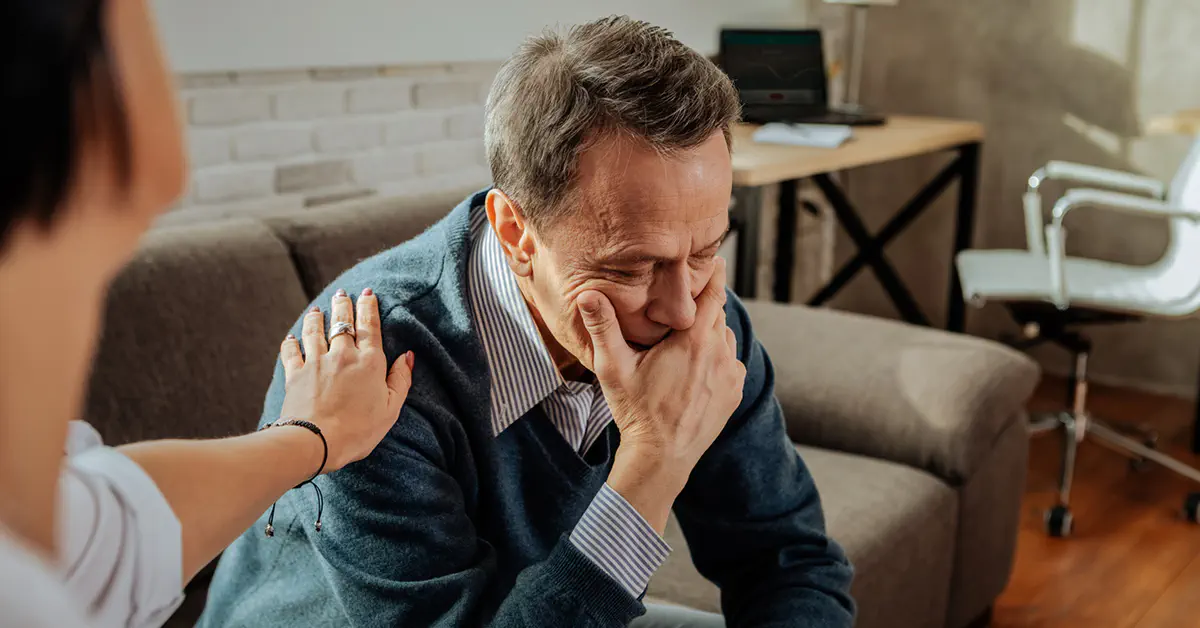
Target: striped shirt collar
pixel 522 371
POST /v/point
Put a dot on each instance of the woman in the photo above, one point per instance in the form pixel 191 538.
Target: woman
pixel 91 151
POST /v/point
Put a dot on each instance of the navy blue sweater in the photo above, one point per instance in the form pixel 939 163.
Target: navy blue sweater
pixel 448 525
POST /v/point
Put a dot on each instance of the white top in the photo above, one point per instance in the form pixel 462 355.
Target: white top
pixel 31 593
pixel 121 544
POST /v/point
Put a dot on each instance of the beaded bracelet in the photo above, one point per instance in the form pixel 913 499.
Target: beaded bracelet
pixel 308 425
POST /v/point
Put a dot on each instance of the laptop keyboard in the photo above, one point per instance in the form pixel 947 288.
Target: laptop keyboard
pixel 760 115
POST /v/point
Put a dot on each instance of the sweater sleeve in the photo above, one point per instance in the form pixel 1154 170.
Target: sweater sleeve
pixel 398 548
pixel 752 516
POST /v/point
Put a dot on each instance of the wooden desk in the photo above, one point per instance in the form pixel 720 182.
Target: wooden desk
pixel 1186 122
pixel 756 165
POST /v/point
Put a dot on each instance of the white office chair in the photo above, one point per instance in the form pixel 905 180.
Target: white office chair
pixel 1052 295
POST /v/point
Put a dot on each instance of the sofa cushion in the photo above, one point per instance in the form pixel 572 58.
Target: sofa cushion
pixel 326 241
pixel 896 523
pixel 191 333
pixel 923 397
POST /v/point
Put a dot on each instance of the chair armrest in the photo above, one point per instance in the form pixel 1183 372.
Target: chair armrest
pixel 925 398
pixel 1081 173
pixel 1115 201
pixel 1056 235
pixel 1096 176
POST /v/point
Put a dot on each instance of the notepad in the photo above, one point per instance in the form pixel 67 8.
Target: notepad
pixel 819 135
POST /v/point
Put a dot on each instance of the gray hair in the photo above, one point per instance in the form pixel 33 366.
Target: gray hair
pixel 559 93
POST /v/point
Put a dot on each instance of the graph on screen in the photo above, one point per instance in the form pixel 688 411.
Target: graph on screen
pixel 776 67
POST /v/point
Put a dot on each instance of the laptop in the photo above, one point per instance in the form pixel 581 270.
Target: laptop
pixel 780 75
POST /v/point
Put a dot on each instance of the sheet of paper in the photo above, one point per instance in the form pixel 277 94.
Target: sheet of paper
pixel 819 135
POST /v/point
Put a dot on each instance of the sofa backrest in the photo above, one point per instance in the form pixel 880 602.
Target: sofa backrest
pixel 191 333
pixel 193 324
pixel 326 241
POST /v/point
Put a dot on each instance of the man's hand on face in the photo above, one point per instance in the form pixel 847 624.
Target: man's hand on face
pixel 669 402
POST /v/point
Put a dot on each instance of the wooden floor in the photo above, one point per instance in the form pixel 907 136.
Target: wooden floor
pixel 1133 561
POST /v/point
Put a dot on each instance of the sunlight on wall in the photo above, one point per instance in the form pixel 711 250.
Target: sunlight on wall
pixel 1158 155
pixel 1106 140
pixel 1102 26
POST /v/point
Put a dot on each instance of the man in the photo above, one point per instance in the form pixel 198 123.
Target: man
pixel 582 371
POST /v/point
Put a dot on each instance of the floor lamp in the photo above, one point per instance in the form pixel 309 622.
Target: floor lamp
pixel 857 42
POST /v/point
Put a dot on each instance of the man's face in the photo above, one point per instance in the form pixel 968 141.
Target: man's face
pixel 645 234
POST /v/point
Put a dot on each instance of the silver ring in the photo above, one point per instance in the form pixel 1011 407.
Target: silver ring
pixel 340 328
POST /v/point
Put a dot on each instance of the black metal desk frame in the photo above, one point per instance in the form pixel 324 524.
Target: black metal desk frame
pixel 747 220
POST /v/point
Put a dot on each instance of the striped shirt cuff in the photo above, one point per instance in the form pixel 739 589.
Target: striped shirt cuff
pixel 614 536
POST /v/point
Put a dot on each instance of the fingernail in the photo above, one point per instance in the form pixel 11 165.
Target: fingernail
pixel 590 306
pixel 291 337
pixel 409 359
pixel 367 292
pixel 315 309
pixel 339 293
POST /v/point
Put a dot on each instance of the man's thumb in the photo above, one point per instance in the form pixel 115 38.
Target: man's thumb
pixel 600 320
pixel 597 313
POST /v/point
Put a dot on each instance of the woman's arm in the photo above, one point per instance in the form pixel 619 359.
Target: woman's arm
pixel 217 488
pixel 144 518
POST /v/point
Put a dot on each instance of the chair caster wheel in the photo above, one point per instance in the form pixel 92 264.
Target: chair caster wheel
pixel 1059 521
pixel 1191 507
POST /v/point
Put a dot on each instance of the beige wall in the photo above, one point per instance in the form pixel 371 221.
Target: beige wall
pixel 1050 79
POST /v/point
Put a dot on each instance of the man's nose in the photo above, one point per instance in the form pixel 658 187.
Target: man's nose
pixel 671 301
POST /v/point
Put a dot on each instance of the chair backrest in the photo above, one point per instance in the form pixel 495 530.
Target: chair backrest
pixel 1180 264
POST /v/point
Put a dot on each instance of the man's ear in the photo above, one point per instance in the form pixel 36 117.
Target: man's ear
pixel 512 231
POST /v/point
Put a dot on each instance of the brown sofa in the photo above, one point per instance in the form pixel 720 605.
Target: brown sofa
pixel 915 437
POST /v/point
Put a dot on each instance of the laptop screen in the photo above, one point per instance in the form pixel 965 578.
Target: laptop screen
pixel 776 66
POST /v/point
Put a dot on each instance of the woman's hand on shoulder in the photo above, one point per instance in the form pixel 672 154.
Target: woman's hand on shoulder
pixel 343 384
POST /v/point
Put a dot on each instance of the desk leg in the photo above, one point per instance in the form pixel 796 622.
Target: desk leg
pixel 1196 424
pixel 747 209
pixel 872 252
pixel 964 227
pixel 785 242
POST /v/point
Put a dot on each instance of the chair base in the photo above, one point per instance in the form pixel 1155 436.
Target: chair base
pixel 1142 450
pixel 1043 323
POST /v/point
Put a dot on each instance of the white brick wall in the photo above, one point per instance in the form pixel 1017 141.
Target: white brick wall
pixel 271 142
pixel 307 102
pixel 350 134
pixel 442 94
pixel 381 96
pixel 313 175
pixel 215 79
pixel 287 139
pixel 231 183
pixel 228 106
pixel 208 147
pixel 277 77
pixel 385 165
pixel 416 127
pixel 435 159
pixel 466 123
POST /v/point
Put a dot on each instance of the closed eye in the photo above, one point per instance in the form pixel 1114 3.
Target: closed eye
pixel 710 251
pixel 627 273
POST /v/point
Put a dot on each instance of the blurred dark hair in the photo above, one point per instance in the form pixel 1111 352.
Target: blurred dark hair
pixel 59 88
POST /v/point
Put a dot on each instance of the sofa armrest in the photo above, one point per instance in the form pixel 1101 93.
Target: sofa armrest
pixel 925 398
